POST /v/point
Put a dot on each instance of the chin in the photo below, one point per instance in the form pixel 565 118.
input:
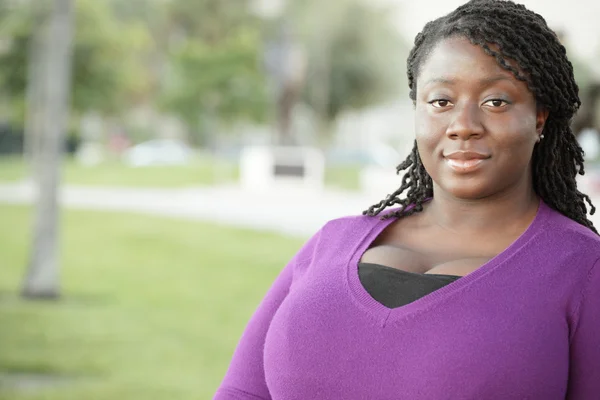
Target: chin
pixel 464 191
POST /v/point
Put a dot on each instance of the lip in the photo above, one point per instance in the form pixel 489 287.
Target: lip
pixel 465 161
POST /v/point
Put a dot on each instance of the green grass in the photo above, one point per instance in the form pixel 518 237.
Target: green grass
pixel 343 177
pixel 113 173
pixel 202 172
pixel 152 308
pixel 12 169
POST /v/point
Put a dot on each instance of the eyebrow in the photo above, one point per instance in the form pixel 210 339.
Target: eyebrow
pixel 483 82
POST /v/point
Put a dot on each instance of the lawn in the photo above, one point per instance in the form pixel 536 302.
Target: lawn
pixel 152 308
pixel 203 171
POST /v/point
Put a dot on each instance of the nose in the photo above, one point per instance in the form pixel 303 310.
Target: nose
pixel 466 123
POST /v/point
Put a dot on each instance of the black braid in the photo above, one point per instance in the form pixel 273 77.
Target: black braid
pixel 519 34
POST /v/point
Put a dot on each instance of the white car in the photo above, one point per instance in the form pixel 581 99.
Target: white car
pixel 159 152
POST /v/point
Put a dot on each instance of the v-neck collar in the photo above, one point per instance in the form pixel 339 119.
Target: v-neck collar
pixel 384 314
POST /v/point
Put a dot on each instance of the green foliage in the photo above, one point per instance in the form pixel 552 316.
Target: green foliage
pixel 364 67
pixel 104 77
pixel 356 57
pixel 107 72
pixel 223 82
pixel 203 60
pixel 214 69
pixel 15 33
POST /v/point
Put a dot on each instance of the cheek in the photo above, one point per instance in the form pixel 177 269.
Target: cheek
pixel 426 130
pixel 427 135
pixel 519 136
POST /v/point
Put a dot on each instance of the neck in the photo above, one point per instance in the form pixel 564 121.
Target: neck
pixel 501 213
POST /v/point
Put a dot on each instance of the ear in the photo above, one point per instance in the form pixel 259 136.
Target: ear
pixel 540 120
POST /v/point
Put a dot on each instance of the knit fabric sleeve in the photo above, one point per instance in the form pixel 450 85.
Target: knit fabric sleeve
pixel 245 377
pixel 584 366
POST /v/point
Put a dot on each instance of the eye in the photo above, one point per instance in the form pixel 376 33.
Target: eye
pixel 440 103
pixel 496 103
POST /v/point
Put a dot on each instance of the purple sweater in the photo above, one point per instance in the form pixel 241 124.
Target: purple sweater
pixel 525 325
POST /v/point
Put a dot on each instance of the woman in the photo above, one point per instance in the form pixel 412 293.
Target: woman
pixel 485 282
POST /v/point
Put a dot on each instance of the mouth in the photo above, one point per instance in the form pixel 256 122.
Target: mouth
pixel 465 161
pixel 465 166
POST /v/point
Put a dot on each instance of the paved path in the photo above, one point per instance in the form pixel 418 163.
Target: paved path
pixel 291 211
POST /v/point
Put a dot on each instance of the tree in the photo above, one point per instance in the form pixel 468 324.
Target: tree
pixel 100 41
pixel 221 82
pixel 355 55
pixel 213 71
pixel 55 46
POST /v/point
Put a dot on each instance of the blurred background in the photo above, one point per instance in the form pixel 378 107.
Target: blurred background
pixel 162 160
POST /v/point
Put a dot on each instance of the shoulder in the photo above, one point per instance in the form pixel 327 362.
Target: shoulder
pixel 356 227
pixel 356 223
pixel 565 236
pixel 343 234
pixel 570 232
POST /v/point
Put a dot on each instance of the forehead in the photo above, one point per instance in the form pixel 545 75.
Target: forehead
pixel 456 57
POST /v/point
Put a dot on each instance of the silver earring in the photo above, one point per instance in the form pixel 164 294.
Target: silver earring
pixel 541 136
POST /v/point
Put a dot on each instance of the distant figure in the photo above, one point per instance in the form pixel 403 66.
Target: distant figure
pixel 286 63
pixel 478 278
pixel 118 143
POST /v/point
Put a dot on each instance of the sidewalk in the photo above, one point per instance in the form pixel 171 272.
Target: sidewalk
pixel 290 211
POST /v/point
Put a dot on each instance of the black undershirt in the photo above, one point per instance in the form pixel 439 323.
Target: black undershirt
pixel 395 288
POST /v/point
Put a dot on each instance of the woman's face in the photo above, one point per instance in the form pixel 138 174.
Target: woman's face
pixel 476 124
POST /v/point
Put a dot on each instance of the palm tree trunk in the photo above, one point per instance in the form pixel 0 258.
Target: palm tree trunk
pixel 34 95
pixel 42 278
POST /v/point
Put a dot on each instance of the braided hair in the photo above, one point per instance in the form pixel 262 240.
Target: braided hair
pixel 521 35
